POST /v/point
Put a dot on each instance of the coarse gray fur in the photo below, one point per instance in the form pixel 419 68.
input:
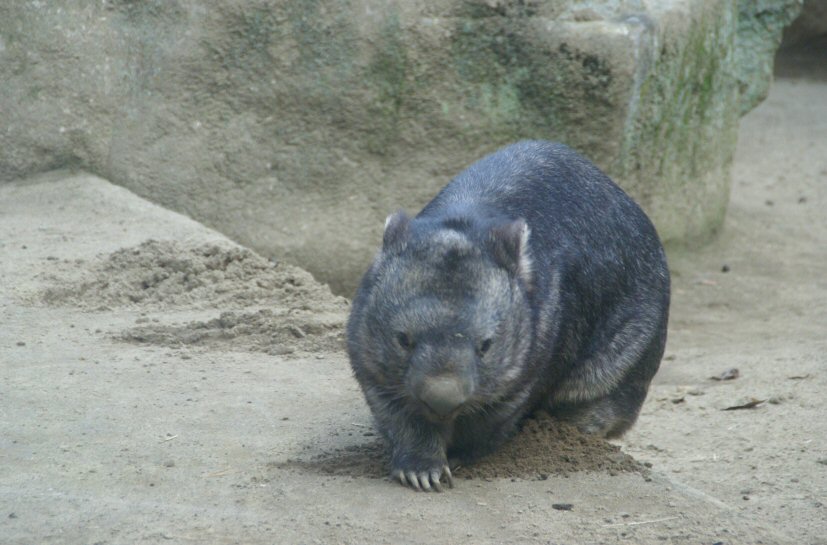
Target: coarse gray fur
pixel 530 282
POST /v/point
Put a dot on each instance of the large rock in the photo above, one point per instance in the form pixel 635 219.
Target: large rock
pixel 761 25
pixel 295 127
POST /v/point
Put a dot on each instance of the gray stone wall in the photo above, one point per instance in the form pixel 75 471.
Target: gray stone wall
pixel 295 127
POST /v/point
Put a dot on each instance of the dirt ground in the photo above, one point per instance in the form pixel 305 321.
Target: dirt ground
pixel 754 300
pixel 161 384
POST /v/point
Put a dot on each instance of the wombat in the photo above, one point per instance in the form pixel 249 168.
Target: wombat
pixel 530 282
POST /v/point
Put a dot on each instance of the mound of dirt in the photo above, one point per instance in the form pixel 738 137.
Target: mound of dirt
pixel 300 313
pixel 161 274
pixel 273 332
pixel 546 447
pixel 543 447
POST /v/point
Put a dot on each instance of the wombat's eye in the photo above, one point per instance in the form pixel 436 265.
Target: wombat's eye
pixel 484 346
pixel 404 341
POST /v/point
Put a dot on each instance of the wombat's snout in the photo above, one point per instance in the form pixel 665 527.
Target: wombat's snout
pixel 443 394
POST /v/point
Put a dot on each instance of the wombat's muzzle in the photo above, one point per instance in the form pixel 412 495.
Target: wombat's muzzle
pixel 443 394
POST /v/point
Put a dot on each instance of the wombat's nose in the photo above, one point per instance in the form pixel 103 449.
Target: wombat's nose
pixel 443 394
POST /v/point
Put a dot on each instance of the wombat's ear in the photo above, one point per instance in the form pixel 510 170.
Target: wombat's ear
pixel 510 246
pixel 396 225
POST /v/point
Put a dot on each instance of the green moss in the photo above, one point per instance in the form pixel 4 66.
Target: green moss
pixel 323 39
pixel 388 74
pixel 497 65
pixel 687 120
pixel 523 81
pixel 251 34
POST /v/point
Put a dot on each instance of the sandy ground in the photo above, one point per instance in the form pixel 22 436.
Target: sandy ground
pixel 765 316
pixel 160 384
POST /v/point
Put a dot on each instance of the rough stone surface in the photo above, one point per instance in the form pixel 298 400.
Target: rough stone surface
pixel 761 24
pixel 295 127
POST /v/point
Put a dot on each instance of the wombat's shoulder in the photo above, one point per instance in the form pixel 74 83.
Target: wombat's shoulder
pixel 564 198
pixel 528 175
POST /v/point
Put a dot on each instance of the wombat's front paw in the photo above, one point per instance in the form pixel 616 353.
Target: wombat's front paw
pixel 426 478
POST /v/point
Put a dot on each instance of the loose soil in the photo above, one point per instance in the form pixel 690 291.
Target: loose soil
pixel 160 274
pixel 156 276
pixel 543 447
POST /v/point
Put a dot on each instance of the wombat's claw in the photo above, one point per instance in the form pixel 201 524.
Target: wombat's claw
pixel 426 481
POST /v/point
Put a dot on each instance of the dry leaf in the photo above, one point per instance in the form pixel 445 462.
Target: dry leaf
pixel 751 404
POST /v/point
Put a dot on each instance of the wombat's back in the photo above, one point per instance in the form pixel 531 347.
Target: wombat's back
pixel 565 199
pixel 600 284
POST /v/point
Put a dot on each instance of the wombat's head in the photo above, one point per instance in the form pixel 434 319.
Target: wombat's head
pixel 443 325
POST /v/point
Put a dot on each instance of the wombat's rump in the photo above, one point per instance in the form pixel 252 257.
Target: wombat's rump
pixel 531 281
